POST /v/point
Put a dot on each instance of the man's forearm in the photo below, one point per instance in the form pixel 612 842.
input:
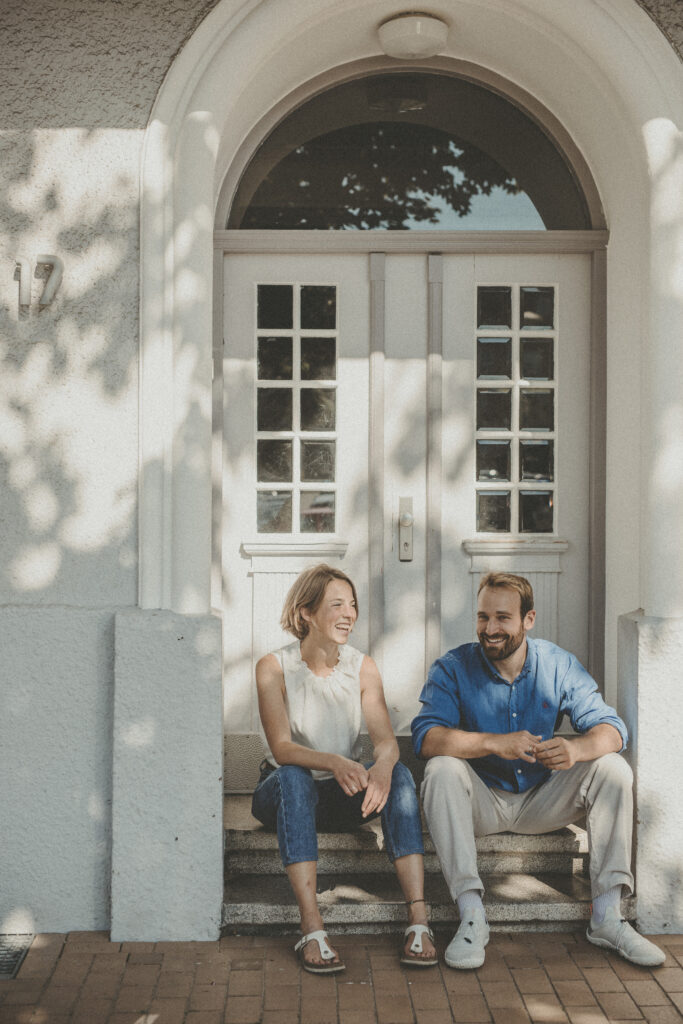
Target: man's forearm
pixel 456 743
pixel 601 739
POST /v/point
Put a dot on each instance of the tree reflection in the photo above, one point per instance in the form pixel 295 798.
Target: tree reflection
pixel 381 175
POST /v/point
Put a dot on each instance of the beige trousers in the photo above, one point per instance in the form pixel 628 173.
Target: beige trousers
pixel 459 806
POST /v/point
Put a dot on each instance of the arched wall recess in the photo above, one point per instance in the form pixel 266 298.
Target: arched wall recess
pixel 607 76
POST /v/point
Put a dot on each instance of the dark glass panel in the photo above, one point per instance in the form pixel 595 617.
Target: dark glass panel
pixel 535 512
pixel 493 511
pixel 536 460
pixel 493 460
pixel 317 460
pixel 275 358
pixel 536 307
pixel 317 512
pixel 536 409
pixel 494 409
pixel 273 461
pixel 274 511
pixel 318 359
pixel 274 306
pixel 494 358
pixel 536 359
pixel 318 408
pixel 408 151
pixel 318 307
pixel 274 409
pixel 494 307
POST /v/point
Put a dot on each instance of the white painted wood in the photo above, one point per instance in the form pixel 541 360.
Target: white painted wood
pixel 272 241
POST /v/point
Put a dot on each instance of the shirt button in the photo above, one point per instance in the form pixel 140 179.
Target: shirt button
pixel 514 714
pixel 519 771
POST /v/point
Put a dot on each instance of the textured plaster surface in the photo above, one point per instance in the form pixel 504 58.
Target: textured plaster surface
pixel 668 16
pixel 57 679
pixel 167 878
pixel 651 702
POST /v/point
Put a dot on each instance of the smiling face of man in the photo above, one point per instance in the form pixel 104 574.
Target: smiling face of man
pixel 501 630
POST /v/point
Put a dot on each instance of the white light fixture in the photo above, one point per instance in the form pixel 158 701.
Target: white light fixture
pixel 413 36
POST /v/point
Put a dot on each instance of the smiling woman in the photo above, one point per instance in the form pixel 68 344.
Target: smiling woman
pixel 313 695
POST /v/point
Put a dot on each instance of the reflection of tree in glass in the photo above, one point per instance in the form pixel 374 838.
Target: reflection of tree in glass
pixel 379 175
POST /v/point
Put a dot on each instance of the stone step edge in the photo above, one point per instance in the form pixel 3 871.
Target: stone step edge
pixel 571 840
pixel 250 862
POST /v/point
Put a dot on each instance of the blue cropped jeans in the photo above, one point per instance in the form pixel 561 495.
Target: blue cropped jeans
pixel 289 800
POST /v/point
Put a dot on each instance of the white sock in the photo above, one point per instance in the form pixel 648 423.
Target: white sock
pixel 607 899
pixel 469 900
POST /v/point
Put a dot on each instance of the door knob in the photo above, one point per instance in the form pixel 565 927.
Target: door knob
pixel 405 529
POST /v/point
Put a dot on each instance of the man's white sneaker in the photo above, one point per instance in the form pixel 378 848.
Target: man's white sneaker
pixel 466 949
pixel 617 934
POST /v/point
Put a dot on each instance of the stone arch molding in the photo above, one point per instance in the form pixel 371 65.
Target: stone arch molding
pixel 601 68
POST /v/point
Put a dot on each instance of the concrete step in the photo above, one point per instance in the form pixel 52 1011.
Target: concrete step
pixel 251 849
pixel 370 903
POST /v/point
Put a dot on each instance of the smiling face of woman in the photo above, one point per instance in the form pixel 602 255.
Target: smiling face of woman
pixel 335 617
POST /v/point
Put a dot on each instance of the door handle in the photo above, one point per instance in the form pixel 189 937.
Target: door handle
pixel 405 529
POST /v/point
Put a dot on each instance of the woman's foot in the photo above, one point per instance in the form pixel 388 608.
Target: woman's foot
pixel 419 948
pixel 316 955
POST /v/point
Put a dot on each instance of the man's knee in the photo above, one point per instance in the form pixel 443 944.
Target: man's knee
pixel 614 770
pixel 448 772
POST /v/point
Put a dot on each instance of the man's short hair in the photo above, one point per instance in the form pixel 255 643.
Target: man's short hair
pixel 512 582
pixel 307 592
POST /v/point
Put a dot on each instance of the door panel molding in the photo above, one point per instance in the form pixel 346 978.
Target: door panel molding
pixel 434 458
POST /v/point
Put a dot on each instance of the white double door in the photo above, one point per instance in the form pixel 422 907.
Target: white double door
pixel 453 389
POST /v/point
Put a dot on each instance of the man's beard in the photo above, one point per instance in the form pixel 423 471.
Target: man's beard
pixel 499 652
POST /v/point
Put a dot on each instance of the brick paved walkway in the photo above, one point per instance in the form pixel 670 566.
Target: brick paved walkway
pixel 82 978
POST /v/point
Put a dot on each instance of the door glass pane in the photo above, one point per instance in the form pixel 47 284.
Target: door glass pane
pixel 493 460
pixel 273 461
pixel 275 358
pixel 317 409
pixel 494 409
pixel 536 409
pixel 493 511
pixel 494 307
pixel 408 151
pixel 318 359
pixel 536 359
pixel 317 512
pixel 274 306
pixel 274 511
pixel 536 460
pixel 318 307
pixel 274 409
pixel 535 512
pixel 536 307
pixel 317 460
pixel 494 358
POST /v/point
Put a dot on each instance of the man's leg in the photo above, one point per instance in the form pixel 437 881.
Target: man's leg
pixel 458 806
pixel 603 789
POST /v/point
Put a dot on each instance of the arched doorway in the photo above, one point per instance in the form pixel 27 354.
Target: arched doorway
pixel 409 324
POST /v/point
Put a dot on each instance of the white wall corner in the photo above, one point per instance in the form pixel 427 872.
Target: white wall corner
pixel 167 843
pixel 651 703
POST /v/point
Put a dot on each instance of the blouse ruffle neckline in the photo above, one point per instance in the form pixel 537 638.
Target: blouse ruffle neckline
pixel 344 666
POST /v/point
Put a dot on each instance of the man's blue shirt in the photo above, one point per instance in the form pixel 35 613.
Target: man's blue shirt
pixel 464 691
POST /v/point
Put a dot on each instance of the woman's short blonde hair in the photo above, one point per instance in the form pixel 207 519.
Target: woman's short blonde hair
pixel 512 582
pixel 307 592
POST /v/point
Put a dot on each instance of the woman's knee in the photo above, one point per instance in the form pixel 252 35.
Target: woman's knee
pixel 295 781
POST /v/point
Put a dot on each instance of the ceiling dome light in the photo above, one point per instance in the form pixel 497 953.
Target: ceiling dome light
pixel 413 36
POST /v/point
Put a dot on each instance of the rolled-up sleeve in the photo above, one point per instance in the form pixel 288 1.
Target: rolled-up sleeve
pixel 584 704
pixel 440 704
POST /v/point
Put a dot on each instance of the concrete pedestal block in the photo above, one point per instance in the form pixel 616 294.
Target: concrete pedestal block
pixel 167 879
pixel 651 703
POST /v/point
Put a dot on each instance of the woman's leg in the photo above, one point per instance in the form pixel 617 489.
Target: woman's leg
pixel 287 800
pixel 402 829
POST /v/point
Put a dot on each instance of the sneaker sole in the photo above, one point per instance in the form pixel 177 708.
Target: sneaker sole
pixel 466 965
pixel 640 962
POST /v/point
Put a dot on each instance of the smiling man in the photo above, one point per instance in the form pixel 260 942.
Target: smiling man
pixel 487 727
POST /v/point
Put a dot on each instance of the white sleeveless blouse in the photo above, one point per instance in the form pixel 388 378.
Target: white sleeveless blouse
pixel 324 712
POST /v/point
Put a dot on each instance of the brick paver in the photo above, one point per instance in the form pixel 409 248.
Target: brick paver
pixel 83 978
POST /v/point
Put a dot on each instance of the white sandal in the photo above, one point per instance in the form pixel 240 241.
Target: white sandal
pixel 326 953
pixel 416 947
